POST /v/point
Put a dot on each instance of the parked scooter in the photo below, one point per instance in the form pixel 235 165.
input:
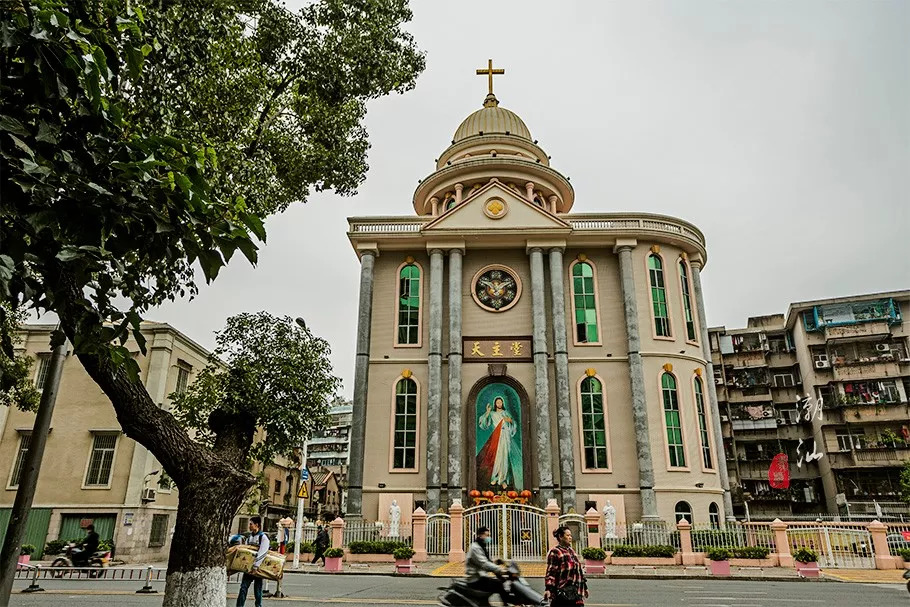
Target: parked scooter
pixel 517 590
pixel 74 557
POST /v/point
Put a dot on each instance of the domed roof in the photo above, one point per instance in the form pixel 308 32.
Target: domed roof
pixel 492 119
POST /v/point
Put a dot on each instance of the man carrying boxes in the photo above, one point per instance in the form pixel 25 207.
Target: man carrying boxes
pixel 251 569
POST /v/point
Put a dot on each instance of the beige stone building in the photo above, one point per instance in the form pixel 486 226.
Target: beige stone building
pixel 828 386
pixel 508 343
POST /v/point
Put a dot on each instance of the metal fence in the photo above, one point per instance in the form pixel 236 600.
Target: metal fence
pixel 640 534
pixel 375 531
pixel 439 529
pixel 732 535
pixel 837 547
pixel 146 576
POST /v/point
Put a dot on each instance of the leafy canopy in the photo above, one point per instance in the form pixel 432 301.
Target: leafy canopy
pixel 266 370
pixel 16 387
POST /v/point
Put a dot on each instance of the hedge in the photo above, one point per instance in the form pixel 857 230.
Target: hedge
pixel 594 554
pixel 383 547
pixel 657 551
pixel 719 554
pixel 751 552
pixel 805 555
pixel 904 553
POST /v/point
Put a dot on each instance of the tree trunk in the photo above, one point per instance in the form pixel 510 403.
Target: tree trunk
pixel 195 573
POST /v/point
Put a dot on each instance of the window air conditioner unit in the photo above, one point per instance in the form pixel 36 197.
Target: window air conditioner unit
pixel 822 364
pixel 782 421
pixel 883 347
pixel 724 418
pixel 767 413
pixel 148 494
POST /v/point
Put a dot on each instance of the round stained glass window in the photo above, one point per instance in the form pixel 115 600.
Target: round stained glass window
pixel 496 288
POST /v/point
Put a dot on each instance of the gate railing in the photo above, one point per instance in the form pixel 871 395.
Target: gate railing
pixel 579 528
pixel 837 547
pixel 439 529
pixel 517 531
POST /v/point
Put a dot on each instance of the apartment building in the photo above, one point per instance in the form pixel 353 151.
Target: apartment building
pixel 826 385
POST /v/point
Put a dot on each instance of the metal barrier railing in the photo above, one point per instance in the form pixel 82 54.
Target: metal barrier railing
pixel 145 575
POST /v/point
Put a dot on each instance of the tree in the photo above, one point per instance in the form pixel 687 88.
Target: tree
pixel 143 141
pixel 904 482
pixel 16 387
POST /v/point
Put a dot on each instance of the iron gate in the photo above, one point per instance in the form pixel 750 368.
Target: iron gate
pixel 837 547
pixel 438 534
pixel 517 532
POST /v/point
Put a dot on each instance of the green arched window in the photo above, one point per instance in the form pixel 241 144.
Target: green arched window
pixel 673 422
pixel 593 423
pixel 404 455
pixel 658 295
pixel 409 305
pixel 585 303
pixel 703 434
pixel 687 300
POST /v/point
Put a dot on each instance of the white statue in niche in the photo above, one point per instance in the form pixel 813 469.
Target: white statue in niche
pixel 394 518
pixel 609 520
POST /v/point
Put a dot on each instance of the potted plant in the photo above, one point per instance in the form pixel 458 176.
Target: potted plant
pixel 25 553
pixel 806 562
pixel 333 558
pixel 403 556
pixel 719 560
pixel 594 559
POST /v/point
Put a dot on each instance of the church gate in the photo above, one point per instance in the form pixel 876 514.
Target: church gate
pixel 518 532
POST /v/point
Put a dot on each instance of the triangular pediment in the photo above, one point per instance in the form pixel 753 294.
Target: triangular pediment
pixel 496 206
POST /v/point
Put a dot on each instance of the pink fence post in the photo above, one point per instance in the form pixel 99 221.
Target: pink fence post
pixel 592 522
pixel 456 532
pixel 883 558
pixel 552 511
pixel 419 531
pixel 781 543
pixel 685 543
pixel 337 533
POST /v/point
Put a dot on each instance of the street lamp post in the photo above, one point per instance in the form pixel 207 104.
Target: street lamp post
pixel 298 530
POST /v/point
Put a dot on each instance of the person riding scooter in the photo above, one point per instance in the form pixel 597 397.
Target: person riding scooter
pixel 89 547
pixel 477 562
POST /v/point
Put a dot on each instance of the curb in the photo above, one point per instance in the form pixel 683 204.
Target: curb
pixel 615 576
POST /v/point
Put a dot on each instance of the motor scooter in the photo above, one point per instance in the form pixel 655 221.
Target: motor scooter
pixel 74 557
pixel 517 591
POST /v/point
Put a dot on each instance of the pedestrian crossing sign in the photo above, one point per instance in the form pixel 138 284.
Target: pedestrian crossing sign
pixel 303 493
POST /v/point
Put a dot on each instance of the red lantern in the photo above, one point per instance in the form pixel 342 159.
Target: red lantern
pixel 487 494
pixel 474 493
pixel 525 493
pixel 779 472
pixel 512 494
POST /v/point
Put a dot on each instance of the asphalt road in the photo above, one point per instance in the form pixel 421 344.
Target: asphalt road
pixel 331 591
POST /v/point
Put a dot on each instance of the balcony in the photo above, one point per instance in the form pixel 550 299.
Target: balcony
pixel 871 458
pixel 881 412
pixel 865 330
pixel 865 368
pixel 745 359
pixel 781 359
pixel 758 470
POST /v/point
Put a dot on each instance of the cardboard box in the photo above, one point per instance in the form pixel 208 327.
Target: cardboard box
pixel 241 558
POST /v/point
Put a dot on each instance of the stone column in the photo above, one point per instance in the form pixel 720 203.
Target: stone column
pixel 459 188
pixel 553 200
pixel 592 524
pixel 419 534
pixel 529 189
pixel 434 385
pixel 541 378
pixel 781 543
pixel 456 430
pixel 337 527
pixel 564 425
pixel 552 511
pixel 456 533
pixel 637 378
pixel 883 557
pixel 695 263
pixel 434 202
pixel 685 543
pixel 361 379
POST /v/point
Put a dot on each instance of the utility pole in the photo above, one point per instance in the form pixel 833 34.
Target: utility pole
pixel 28 480
pixel 298 530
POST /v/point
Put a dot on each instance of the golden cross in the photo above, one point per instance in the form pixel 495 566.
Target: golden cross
pixel 489 72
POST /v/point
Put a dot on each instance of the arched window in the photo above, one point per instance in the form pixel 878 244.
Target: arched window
pixel 659 295
pixel 673 422
pixel 703 434
pixel 404 446
pixel 683 511
pixel 449 203
pixel 593 424
pixel 714 515
pixel 585 303
pixel 687 300
pixel 538 200
pixel 409 305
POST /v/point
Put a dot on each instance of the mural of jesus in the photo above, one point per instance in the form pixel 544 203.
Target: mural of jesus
pixel 499 453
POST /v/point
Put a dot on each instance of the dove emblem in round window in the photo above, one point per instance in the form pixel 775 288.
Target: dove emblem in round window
pixel 496 288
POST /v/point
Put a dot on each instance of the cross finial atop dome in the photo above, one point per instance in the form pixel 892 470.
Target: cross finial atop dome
pixel 489 73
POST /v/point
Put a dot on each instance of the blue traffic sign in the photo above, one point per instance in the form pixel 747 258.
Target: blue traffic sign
pixel 304 474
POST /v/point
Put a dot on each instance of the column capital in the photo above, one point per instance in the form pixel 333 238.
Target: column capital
pixel 445 245
pixel 697 261
pixel 456 249
pixel 624 244
pixel 545 244
pixel 368 248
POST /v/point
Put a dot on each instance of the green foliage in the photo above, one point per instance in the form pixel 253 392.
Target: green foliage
pixel 719 554
pixel 594 554
pixel 265 370
pixel 805 555
pixel 904 553
pixel 333 553
pixel 904 482
pixel 306 547
pixel 403 553
pixel 55 547
pixel 655 551
pixel 381 547
pixel 27 549
pixel 751 552
pixel 16 387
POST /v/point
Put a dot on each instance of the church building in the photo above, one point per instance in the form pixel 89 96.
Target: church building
pixel 509 348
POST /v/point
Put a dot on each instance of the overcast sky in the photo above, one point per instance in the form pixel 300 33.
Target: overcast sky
pixel 781 129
